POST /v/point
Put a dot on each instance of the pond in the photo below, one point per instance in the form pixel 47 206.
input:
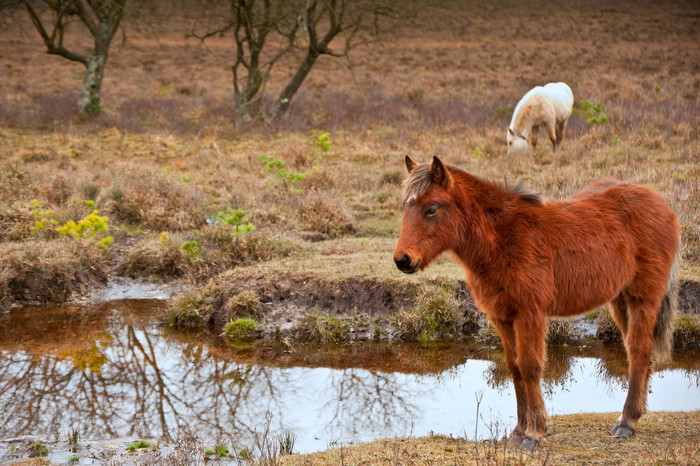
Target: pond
pixel 110 370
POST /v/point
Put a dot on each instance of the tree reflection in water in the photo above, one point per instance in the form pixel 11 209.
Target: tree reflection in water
pixel 109 371
pixel 132 382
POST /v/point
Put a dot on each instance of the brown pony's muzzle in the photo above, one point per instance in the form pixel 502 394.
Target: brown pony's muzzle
pixel 404 264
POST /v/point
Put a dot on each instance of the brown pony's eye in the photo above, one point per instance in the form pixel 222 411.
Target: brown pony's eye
pixel 431 210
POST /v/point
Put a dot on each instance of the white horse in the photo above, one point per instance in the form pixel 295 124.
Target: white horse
pixel 549 106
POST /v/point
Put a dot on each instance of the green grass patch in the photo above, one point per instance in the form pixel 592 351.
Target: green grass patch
pixel 139 444
pixel 318 327
pixel 241 330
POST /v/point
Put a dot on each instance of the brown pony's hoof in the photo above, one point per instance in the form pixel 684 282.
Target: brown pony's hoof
pixel 516 438
pixel 529 443
pixel 622 430
pixel 614 428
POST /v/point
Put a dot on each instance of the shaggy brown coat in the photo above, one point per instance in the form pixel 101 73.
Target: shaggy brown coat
pixel 527 259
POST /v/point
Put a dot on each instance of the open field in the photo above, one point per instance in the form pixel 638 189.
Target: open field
pixel 164 163
pixel 165 157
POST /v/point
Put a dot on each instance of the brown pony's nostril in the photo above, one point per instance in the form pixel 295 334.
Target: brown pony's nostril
pixel 404 262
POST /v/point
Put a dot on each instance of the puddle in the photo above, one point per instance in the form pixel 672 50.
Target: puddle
pixel 109 371
pixel 120 288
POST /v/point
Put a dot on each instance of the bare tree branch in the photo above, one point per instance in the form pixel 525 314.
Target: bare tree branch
pixel 267 31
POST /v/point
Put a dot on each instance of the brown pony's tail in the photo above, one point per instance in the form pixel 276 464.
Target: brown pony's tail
pixel 663 333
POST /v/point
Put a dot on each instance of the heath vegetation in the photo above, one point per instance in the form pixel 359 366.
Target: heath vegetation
pixel 170 181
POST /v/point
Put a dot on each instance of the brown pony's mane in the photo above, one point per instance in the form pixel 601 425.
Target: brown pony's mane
pixel 420 180
pixel 529 196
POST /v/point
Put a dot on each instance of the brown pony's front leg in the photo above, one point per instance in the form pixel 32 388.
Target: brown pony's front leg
pixel 505 330
pixel 530 331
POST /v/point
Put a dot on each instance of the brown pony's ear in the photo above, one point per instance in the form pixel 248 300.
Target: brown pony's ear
pixel 439 172
pixel 410 164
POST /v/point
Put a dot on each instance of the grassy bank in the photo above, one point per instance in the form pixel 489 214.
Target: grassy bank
pixel 348 290
pixel 662 438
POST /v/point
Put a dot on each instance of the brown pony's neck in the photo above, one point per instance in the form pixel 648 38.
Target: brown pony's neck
pixel 486 207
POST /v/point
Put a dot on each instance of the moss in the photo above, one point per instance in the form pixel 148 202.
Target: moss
pixel 38 449
pixel 139 444
pixel 323 328
pixel 241 330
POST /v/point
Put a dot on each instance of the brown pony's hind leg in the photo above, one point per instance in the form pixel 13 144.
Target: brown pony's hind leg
pixel 639 343
pixel 530 331
pixel 505 330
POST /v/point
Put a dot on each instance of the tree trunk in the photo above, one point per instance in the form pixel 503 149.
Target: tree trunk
pixel 243 98
pixel 288 92
pixel 89 98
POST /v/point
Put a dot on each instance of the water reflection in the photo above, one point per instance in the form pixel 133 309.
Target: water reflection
pixel 111 372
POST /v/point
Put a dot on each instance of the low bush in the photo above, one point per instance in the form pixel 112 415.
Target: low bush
pixel 325 215
pixel 49 271
pixel 437 312
pixel 192 309
pixel 219 247
pixel 155 258
pixel 607 329
pixel 155 201
pixel 245 303
pixel 686 333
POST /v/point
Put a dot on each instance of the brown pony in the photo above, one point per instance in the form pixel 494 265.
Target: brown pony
pixel 527 259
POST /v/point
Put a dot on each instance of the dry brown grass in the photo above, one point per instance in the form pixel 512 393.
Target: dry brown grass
pixel 662 438
pixel 157 259
pixel 48 271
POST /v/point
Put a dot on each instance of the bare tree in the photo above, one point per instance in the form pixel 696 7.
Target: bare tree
pixel 266 31
pixel 101 18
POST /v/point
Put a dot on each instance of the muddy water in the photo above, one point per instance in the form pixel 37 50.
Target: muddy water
pixel 110 371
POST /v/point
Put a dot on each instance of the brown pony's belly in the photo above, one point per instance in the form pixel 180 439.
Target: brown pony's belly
pixel 583 289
